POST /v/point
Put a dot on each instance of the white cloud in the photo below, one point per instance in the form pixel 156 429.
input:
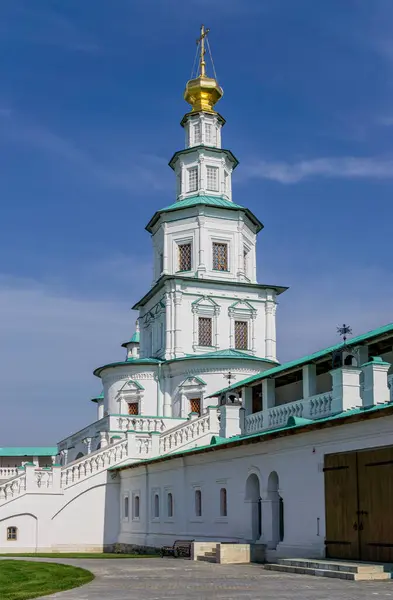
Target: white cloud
pixel 386 121
pixel 347 167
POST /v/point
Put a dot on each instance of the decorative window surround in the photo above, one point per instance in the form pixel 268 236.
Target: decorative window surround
pixel 136 505
pixel 169 505
pixel 126 507
pixel 220 256
pixel 242 311
pixel 205 307
pixel 155 504
pixel 196 504
pixel 184 256
pixel 130 393
pixel 192 387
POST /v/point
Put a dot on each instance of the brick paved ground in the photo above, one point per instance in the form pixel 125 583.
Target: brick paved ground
pixel 170 579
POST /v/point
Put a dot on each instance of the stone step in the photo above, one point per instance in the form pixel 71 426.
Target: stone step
pixel 333 565
pixel 205 558
pixel 328 573
pixel 211 553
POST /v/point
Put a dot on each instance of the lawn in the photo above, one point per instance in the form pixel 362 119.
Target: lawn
pixel 81 555
pixel 20 579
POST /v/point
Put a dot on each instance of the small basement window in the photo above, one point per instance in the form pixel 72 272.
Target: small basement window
pixel 12 534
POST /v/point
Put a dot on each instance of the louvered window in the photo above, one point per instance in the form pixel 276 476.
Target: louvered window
pixel 193 179
pixel 220 256
pixel 204 331
pixel 212 179
pixel 197 133
pixel 208 133
pixel 241 335
pixel 185 263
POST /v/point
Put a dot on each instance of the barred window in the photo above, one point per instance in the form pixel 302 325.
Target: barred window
pixel 133 408
pixel 220 256
pixel 241 335
pixel 193 179
pixel 204 331
pixel 12 533
pixel 212 179
pixel 208 133
pixel 197 133
pixel 185 257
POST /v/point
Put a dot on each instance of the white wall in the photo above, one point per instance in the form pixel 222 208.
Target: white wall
pixel 298 461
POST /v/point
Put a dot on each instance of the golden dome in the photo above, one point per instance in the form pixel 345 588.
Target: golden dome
pixel 202 92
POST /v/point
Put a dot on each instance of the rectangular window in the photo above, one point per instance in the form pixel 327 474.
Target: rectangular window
pixel 126 501
pixel 245 260
pixel 208 133
pixel 241 335
pixel 220 256
pixel 193 179
pixel 133 408
pixel 12 533
pixel 185 263
pixel 197 133
pixel 136 506
pixel 212 179
pixel 204 331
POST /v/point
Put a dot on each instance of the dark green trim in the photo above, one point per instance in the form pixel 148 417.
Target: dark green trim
pixel 213 149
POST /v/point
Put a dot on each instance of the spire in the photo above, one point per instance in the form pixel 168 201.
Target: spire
pixel 203 92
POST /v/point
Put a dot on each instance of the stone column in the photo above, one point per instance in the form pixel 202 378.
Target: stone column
pixel 167 399
pixel 309 380
pixel 201 240
pixel 177 308
pixel 230 420
pixel 270 328
pixel 375 373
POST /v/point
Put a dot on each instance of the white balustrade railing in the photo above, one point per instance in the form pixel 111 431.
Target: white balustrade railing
pixel 8 472
pixel 315 407
pixel 94 462
pixel 254 422
pixel 147 424
pixel 189 431
pixel 44 478
pixel 13 487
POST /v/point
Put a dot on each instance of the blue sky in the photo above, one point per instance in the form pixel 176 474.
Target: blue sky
pixel 90 105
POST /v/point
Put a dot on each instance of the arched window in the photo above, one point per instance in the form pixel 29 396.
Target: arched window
pixel 350 361
pixel 156 506
pixel 126 507
pixel 170 505
pixel 223 503
pixel 12 534
pixel 136 507
pixel 198 503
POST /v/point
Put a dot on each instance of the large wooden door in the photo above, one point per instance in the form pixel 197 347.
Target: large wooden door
pixel 358 505
pixel 342 540
pixel 375 483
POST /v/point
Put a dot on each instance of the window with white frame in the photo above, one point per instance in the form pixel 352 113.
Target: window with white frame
pixel 212 178
pixel 208 133
pixel 185 257
pixel 220 256
pixel 136 507
pixel 192 179
pixel 197 133
pixel 170 505
pixel 223 503
pixel 12 534
pixel 198 503
pixel 205 331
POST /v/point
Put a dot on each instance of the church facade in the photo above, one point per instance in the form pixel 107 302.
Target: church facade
pixel 201 433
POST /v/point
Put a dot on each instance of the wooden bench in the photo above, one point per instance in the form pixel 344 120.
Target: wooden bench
pixel 180 548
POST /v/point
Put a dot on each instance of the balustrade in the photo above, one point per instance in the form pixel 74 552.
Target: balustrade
pixel 8 472
pixel 189 431
pixel 13 487
pixel 147 424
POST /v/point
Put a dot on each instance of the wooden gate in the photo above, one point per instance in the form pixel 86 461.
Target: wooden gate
pixel 358 505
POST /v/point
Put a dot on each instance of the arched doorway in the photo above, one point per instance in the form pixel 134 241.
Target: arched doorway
pixel 253 497
pixel 276 510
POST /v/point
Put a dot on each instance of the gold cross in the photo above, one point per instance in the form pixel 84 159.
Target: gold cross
pixel 201 40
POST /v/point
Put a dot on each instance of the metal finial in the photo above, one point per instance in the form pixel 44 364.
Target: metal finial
pixel 344 330
pixel 229 376
pixel 201 41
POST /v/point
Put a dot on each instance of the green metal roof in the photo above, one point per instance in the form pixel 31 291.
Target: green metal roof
pixel 202 200
pixel 307 359
pixel 98 398
pixel 134 340
pixel 129 361
pixel 228 353
pixel 29 451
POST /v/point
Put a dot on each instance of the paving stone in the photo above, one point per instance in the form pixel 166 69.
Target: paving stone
pixel 177 579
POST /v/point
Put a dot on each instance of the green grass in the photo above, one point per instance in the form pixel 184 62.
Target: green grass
pixel 20 579
pixel 82 555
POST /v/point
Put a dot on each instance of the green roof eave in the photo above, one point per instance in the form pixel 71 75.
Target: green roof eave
pixel 29 451
pixel 98 398
pixel 222 354
pixel 204 200
pixel 213 149
pixel 386 329
pixel 131 361
pixel 241 284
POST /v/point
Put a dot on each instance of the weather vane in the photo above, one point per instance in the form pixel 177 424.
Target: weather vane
pixel 229 376
pixel 344 330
